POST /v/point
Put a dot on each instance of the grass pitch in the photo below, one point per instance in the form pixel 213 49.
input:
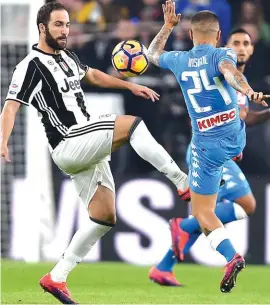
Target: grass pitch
pixel 118 283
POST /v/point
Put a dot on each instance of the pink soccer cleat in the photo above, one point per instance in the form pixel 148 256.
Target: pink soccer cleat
pixel 231 271
pixel 163 278
pixel 179 238
pixel 58 290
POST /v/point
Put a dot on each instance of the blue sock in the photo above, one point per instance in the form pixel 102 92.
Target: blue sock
pixel 224 211
pixel 192 239
pixel 168 261
pixel 226 249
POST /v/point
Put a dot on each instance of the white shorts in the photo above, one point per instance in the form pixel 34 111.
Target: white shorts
pixel 84 154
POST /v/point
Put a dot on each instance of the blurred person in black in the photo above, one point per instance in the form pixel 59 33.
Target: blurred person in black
pixel 219 7
pixel 151 11
pixel 257 68
pixel 258 73
pixel 252 13
pixel 97 13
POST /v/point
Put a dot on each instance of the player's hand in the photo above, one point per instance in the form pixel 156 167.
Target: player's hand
pixel 144 92
pixel 4 152
pixel 170 18
pixel 257 98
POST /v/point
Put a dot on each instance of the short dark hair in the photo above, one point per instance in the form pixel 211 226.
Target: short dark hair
pixel 44 13
pixel 238 31
pixel 205 16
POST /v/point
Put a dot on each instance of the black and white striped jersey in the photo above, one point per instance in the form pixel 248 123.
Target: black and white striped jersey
pixel 51 83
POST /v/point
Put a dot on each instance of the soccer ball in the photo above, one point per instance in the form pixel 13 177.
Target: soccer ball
pixel 129 58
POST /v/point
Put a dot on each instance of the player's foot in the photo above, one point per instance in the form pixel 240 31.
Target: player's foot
pixel 231 271
pixel 58 290
pixel 184 195
pixel 163 278
pixel 179 238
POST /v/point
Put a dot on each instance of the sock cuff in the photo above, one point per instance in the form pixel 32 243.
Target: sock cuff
pixel 103 223
pixel 217 236
pixel 134 126
pixel 239 212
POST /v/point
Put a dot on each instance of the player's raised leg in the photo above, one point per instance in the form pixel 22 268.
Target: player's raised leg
pixel 133 129
pixel 95 185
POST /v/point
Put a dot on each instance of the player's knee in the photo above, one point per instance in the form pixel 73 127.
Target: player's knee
pixel 251 205
pixel 111 218
pixel 248 203
pixel 106 219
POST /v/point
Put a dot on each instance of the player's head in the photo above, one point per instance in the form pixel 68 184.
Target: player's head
pixel 205 28
pixel 53 25
pixel 240 41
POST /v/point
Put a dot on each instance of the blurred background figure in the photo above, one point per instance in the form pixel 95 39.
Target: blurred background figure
pixel 220 7
pixel 252 13
pixel 97 13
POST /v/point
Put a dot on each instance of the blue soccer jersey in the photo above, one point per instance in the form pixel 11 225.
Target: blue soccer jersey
pixel 218 133
pixel 211 102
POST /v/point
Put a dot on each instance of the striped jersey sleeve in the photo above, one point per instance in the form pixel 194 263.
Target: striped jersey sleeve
pixel 25 83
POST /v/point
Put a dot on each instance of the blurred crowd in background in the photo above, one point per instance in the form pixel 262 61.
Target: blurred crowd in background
pixel 98 25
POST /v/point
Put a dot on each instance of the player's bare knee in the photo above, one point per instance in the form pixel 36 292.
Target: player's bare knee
pixel 248 203
pixel 124 127
pixel 106 222
pixel 108 217
pixel 251 206
pixel 102 206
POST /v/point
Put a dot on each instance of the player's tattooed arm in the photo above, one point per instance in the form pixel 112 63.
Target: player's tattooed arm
pixel 237 80
pixel 234 77
pixel 171 20
pixel 156 47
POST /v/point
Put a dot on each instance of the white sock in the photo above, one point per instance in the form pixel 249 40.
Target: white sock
pixel 80 245
pixel 217 236
pixel 239 212
pixel 148 148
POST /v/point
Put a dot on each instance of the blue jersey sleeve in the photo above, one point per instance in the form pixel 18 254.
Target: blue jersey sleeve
pixel 226 54
pixel 168 60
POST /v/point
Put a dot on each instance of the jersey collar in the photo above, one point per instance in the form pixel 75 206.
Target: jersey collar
pixel 202 46
pixel 34 47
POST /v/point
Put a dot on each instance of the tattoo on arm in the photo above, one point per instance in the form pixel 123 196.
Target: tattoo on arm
pixel 156 47
pixel 234 77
